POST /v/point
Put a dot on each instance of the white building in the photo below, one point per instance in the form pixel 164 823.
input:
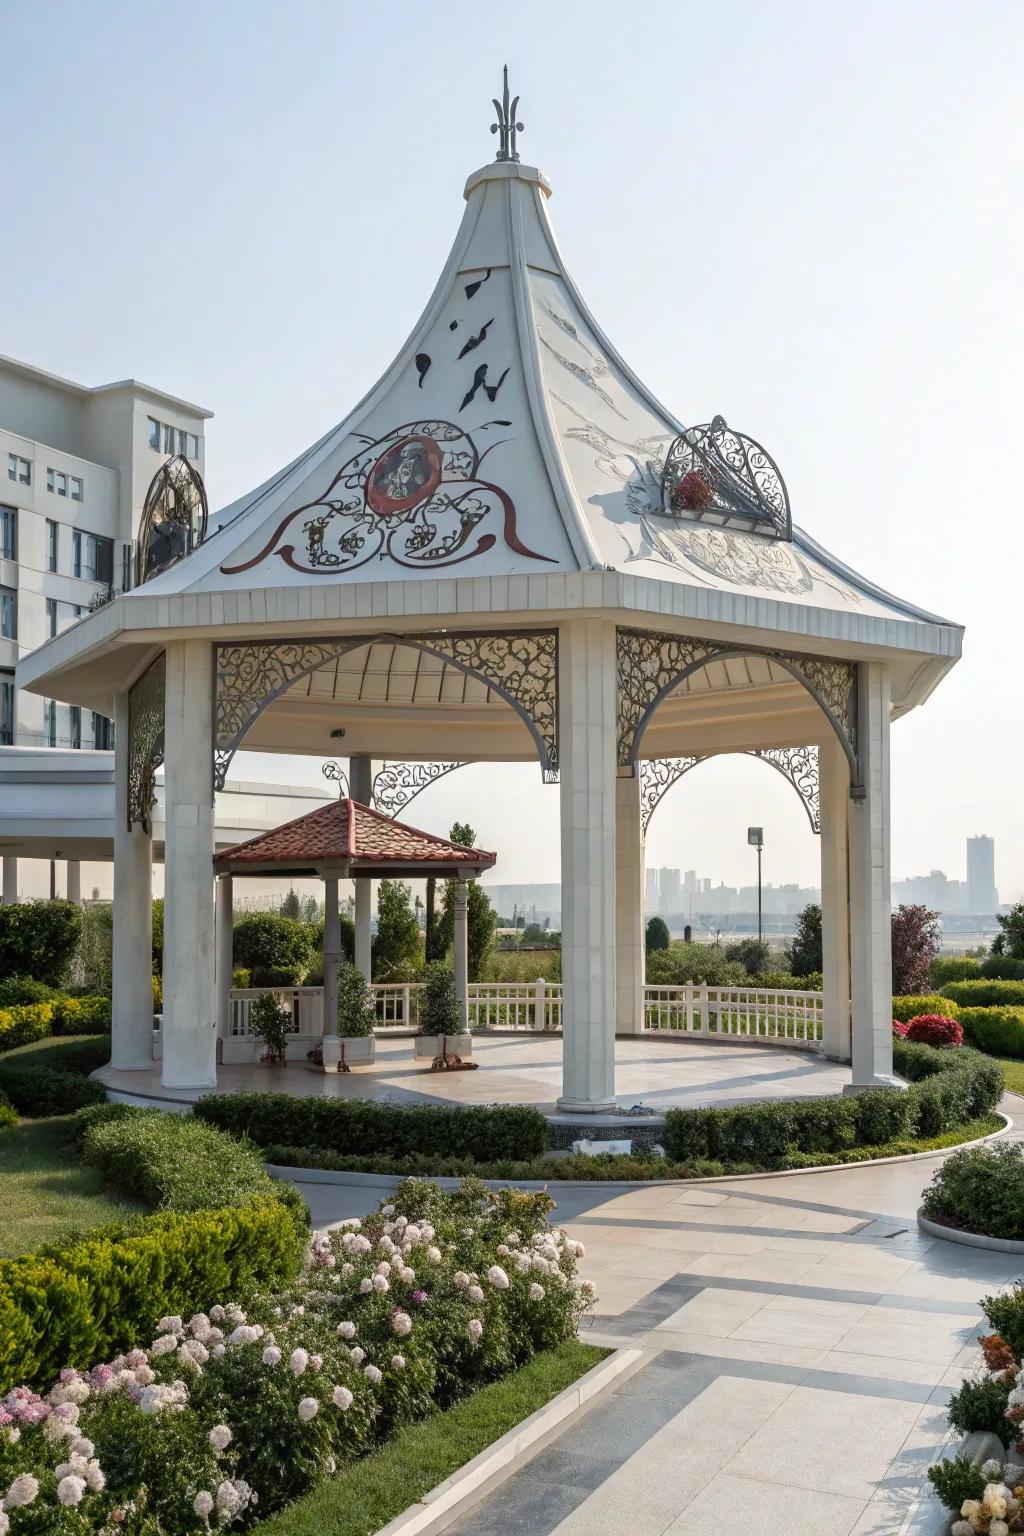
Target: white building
pixel 982 896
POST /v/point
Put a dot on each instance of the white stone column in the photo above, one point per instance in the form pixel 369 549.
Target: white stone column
pixel 834 802
pixel 224 923
pixel 587 735
pixel 362 770
pixel 332 951
pixel 73 881
pixel 189 1045
pixel 10 887
pixel 132 955
pixel 460 947
pixel 870 904
pixel 629 908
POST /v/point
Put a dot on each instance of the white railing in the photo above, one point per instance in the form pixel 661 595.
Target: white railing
pixel 397 1005
pixel 516 1005
pixel 304 1004
pixel 747 1013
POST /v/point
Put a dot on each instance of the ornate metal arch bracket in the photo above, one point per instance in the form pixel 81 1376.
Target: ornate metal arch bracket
pixel 397 784
pixel 521 666
pixel 145 741
pixel 797 764
pixel 652 664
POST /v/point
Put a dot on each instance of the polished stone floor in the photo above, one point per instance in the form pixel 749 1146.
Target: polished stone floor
pixel 527 1069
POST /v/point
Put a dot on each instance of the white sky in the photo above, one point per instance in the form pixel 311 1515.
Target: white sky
pixel 806 216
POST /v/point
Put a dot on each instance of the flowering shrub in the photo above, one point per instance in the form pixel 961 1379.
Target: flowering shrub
pixel 217 1419
pixel 899 1030
pixel 935 1029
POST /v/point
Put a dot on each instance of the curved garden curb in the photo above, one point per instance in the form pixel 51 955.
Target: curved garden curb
pixel 387 1180
pixel 969 1239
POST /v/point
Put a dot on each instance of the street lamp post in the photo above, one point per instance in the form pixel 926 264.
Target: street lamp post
pixel 755 837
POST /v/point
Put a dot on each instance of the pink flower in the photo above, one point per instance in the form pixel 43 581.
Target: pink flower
pixel 419 1298
pixel 271 1355
pixel 341 1397
pixel 22 1491
pixel 298 1361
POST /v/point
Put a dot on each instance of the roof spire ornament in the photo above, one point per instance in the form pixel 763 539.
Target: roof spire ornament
pixel 506 125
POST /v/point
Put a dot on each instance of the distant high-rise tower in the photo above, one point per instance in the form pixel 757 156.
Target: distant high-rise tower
pixel 982 896
pixel 669 885
pixel 652 894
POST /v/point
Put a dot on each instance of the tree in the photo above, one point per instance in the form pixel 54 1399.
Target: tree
pixel 397 946
pixel 1009 940
pixel 439 1005
pixel 39 939
pixel 753 954
pixel 277 951
pixel 481 918
pixel 291 906
pixel 915 943
pixel 657 935
pixel 804 954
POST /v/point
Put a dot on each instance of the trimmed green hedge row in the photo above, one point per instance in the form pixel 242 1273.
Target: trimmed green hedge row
pixel 949 1088
pixel 85 1303
pixel 996 1031
pixel 51 1078
pixel 985 993
pixel 21 1023
pixel 482 1132
pixel 906 1008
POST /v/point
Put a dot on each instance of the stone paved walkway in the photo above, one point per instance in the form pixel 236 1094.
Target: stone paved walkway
pixel 802 1338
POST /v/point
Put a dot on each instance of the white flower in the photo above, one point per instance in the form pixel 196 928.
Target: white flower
pixel 380 1283
pixel 203 1503
pixel 21 1492
pixel 5 1523
pixel 199 1325
pixel 402 1323
pixel 497 1277
pixel 503 1250
pixel 475 1329
pixel 460 1279
pixel 365 1287
pixel 387 1210
pixel 998 1528
pixel 164 1344
pixel 536 1292
pixel 991 1470
pixel 341 1397
pixel 407 1275
pixel 398 1361
pixel 383 1268
pixel 475 1293
pixel 961 1528
pixel 308 1409
pixel 522 1261
pixel 170 1325
pixel 80 1446
pixel 94 1476
pixel 346 1330
pixel 70 1490
pixel 220 1437
pixel 271 1355
pixel 371 1373
pixel 357 1355
pixel 434 1255
pixel 298 1361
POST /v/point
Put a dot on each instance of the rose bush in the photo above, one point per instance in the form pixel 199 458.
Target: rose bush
pixel 220 1418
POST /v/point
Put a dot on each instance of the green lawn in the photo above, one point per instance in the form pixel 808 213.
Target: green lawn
pixel 45 1192
pixel 1013 1073
pixel 371 1492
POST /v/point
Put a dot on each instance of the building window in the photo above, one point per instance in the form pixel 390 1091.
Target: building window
pixel 51 616
pixel 19 469
pixel 8 614
pixel 102 733
pixel 172 439
pixel 6 710
pixel 93 557
pixel 77 488
pixel 8 533
pixel 75 722
pixel 126 567
pixel 52 545
pixel 50 722
pixel 154 433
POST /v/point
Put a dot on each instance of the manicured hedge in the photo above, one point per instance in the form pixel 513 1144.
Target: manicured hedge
pixel 15 990
pixel 51 1078
pixel 996 1031
pixel 24 1023
pixel 953 968
pixel 8 1114
pixel 84 1303
pixel 949 1088
pixel 985 993
pixel 483 1132
pixel 906 1008
pixel 81 1015
pixel 21 1023
pixel 171 1161
pixel 980 1189
pixel 1004 966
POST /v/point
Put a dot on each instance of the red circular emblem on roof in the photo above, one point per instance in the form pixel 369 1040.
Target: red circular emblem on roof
pixel 405 475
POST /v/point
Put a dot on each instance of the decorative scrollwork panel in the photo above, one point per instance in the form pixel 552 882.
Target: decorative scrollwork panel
pixel 797 764
pixel 249 677
pixel 397 784
pixel 145 741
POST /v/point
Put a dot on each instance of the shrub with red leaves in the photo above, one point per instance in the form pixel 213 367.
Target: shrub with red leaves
pixel 933 1029
pixel 899 1030
pixel 998 1354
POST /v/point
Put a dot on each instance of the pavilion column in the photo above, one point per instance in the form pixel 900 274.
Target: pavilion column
pixel 73 881
pixel 870 904
pixel 10 886
pixel 629 908
pixel 361 772
pixel 225 964
pixel 332 951
pixel 132 955
pixel 587 758
pixel 834 802
pixel 460 949
pixel 189 1048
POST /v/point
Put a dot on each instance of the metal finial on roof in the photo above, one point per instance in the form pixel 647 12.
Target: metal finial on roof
pixel 506 125
pixel 336 774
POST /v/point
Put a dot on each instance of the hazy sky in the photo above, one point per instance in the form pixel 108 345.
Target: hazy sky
pixel 805 216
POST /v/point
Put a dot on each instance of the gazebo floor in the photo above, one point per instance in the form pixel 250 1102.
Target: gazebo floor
pixel 527 1069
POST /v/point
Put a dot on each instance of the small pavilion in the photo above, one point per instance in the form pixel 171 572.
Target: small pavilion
pixel 509 550
pixel 346 841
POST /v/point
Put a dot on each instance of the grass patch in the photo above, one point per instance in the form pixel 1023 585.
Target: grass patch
pixel 1013 1074
pixel 368 1494
pixel 46 1194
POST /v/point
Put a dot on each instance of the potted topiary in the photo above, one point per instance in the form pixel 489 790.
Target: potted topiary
pixel 442 1039
pixel 354 1044
pixel 270 1022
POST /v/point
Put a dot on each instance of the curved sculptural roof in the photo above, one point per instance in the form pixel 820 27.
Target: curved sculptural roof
pixel 510 438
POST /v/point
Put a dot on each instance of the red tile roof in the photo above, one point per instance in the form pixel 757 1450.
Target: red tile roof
pixel 347 832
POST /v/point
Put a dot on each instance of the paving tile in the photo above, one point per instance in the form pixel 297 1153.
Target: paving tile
pixel 790 1328
pixel 740 1504
pixel 715 1311
pixel 732 1348
pixel 874 1335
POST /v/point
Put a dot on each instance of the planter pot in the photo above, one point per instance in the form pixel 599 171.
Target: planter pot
pixel 429 1047
pixel 341 1051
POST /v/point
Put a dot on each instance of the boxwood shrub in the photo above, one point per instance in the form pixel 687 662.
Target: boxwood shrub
pixel 1005 967
pixel 171 1161
pixel 953 968
pixel 906 1008
pixel 980 1189
pixel 996 1031
pixel 948 1089
pixel 986 993
pixel 483 1132
pixel 24 1023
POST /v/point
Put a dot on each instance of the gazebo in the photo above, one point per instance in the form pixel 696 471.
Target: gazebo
pixel 509 550
pixel 346 841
